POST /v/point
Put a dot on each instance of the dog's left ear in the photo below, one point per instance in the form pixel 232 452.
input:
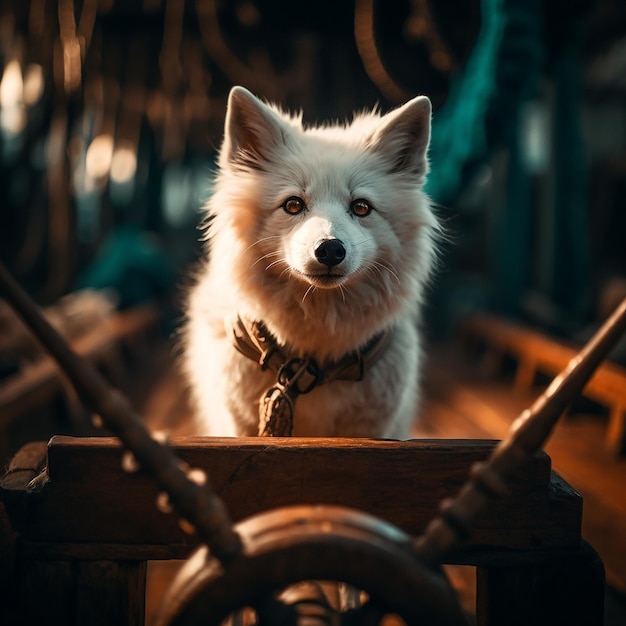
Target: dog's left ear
pixel 253 131
pixel 403 137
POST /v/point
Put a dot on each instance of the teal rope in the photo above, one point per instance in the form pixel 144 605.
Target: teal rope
pixel 481 116
pixel 480 113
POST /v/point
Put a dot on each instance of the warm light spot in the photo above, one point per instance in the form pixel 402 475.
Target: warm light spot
pixel 99 156
pixel 197 476
pixel 161 436
pixel 163 503
pixel 186 527
pixel 71 64
pixel 33 84
pixel 13 119
pixel 12 85
pixel 123 163
pixel 129 462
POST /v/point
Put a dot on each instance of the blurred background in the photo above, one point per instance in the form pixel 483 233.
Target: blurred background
pixel 111 112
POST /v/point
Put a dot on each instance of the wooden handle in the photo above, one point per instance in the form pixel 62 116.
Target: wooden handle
pixel 491 479
pixel 196 503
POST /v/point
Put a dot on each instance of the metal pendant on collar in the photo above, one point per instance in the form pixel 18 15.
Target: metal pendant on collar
pixel 276 412
pixel 276 408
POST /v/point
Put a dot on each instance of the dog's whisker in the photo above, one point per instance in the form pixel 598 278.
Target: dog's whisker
pixel 262 240
pixel 264 257
pixel 269 254
pixel 380 265
pixel 379 276
pixel 360 243
pixel 277 262
pixel 342 289
pixel 307 292
pixel 375 271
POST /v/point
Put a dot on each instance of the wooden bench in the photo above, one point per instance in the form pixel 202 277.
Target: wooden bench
pixel 39 381
pixel 84 529
pixel 123 334
pixel 536 353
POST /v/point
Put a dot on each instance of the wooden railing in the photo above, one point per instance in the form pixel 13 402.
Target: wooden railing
pixel 537 353
pixel 86 528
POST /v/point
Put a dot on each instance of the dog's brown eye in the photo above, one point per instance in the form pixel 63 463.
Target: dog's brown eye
pixel 293 205
pixel 361 208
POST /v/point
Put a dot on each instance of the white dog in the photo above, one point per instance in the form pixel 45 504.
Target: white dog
pixel 305 319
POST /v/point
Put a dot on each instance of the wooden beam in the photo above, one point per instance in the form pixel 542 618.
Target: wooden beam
pixel 86 498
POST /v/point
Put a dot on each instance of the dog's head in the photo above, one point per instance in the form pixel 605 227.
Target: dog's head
pixel 327 209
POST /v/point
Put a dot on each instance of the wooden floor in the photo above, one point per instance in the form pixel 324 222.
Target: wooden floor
pixel 463 401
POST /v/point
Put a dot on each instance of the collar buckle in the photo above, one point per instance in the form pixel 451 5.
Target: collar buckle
pixel 294 373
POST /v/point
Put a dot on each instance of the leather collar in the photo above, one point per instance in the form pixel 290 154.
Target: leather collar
pixel 254 341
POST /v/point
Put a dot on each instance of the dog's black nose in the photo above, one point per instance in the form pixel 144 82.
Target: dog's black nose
pixel 330 252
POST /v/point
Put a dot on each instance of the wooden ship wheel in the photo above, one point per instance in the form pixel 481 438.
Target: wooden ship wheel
pixel 250 563
pixel 288 545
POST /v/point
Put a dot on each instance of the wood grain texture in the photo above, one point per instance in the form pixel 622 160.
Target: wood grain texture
pixel 75 593
pixel 567 591
pixel 89 499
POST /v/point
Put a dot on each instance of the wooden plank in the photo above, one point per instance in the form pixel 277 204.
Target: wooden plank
pixel 464 401
pixel 26 465
pixel 98 593
pixel 401 482
pixel 109 593
pixel 8 539
pixel 569 590
pixel 38 382
pixel 551 355
pixel 536 352
pixel 607 531
pixel 616 431
pixel 45 592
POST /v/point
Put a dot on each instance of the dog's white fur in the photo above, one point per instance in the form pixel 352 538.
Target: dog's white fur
pixel 262 266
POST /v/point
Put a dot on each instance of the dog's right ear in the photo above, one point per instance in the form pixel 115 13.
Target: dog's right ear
pixel 403 137
pixel 253 131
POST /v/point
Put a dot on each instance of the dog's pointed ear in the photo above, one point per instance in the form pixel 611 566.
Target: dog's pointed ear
pixel 253 131
pixel 403 137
